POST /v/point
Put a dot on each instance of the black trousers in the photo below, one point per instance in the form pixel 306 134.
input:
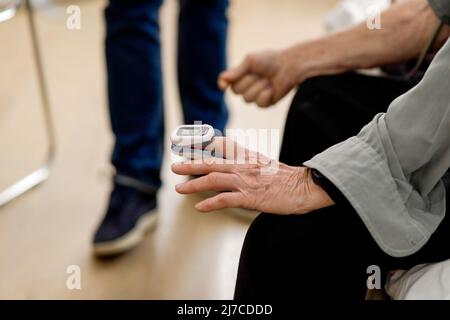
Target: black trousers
pixel 325 253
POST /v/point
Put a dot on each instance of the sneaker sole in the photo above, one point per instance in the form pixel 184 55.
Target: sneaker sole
pixel 128 241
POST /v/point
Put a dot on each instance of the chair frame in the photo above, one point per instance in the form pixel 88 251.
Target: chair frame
pixel 41 174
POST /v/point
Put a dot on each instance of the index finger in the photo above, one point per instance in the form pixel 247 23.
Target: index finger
pixel 210 165
pixel 205 167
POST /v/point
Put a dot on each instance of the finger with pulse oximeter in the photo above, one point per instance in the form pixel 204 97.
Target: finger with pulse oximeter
pixel 191 141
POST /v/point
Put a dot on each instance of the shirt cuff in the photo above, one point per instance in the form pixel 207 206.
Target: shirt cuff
pixel 363 176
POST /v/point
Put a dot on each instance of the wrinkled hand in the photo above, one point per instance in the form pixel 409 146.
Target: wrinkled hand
pixel 263 78
pixel 246 179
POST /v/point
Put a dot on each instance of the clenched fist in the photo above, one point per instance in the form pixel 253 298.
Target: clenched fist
pixel 266 77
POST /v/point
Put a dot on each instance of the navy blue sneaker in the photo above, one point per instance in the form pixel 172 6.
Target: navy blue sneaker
pixel 131 213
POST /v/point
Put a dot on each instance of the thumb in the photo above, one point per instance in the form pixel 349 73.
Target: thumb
pixel 231 75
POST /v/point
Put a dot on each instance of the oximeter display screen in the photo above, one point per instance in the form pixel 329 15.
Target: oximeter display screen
pixel 187 132
pixel 191 141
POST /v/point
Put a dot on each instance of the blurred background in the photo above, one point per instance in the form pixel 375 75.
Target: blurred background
pixel 190 255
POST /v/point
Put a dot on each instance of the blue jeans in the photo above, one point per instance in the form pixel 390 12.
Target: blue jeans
pixel 135 89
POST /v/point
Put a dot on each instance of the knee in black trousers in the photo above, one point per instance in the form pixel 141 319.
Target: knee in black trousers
pixel 306 256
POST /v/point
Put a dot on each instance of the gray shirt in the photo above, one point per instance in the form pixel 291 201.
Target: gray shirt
pixel 442 9
pixel 391 171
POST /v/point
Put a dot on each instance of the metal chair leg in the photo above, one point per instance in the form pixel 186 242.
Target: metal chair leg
pixel 41 174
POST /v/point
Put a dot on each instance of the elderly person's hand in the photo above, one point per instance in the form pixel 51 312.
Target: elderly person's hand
pixel 246 179
pixel 264 77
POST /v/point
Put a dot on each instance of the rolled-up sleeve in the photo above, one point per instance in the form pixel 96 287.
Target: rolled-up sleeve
pixel 391 171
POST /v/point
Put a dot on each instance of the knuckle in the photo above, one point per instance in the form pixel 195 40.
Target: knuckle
pixel 237 88
pixel 222 200
pixel 236 179
pixel 248 98
pixel 264 103
pixel 213 178
pixel 254 165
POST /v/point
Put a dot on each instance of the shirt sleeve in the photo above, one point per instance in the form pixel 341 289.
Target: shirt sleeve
pixel 391 171
pixel 442 9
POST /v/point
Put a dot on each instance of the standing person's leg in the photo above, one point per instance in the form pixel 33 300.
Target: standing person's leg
pixel 135 88
pixel 202 36
pixel 135 95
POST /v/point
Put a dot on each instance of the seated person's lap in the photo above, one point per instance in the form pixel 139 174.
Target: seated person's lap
pixel 329 249
pixel 329 109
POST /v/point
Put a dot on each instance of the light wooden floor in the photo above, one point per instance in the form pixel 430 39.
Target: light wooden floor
pixel 190 255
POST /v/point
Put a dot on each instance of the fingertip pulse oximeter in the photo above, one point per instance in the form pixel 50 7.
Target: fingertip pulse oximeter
pixel 190 141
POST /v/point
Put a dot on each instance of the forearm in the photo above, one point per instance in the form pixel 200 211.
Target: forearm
pixel 405 30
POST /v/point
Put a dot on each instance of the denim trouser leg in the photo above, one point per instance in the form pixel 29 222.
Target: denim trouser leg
pixel 135 88
pixel 135 80
pixel 202 32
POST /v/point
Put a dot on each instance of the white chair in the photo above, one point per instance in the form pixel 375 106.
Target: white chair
pixel 423 282
pixel 8 9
